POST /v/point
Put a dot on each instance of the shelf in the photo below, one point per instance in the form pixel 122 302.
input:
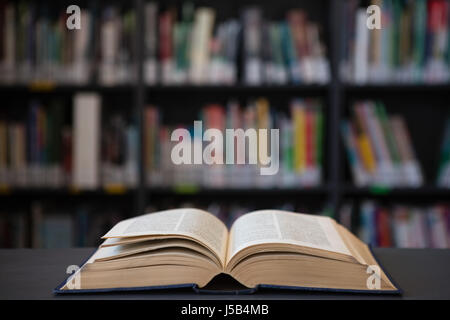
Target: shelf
pixel 63 192
pixel 425 191
pixel 258 89
pixel 346 190
pixel 238 192
pixel 54 88
pixel 396 87
pixel 306 88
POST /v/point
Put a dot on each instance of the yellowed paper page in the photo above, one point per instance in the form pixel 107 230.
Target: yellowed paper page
pixel 193 223
pixel 275 226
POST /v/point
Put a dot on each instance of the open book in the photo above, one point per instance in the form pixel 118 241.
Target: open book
pixel 263 248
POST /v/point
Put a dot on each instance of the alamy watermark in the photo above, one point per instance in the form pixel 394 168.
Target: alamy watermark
pixel 374 17
pixel 74 20
pixel 374 280
pixel 237 141
pixel 74 281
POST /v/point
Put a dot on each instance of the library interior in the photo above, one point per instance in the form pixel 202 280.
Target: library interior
pixel 93 94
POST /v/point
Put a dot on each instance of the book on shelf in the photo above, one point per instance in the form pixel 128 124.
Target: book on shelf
pixel 399 225
pixel 195 48
pixel 412 45
pixel 282 52
pixel 379 148
pixel 30 149
pixel 443 178
pixel 61 227
pixel 300 147
pixel 267 248
pixel 188 51
pixel 86 115
pixel 44 150
pixel 38 47
pixel 14 229
pixel 182 44
pixel 83 222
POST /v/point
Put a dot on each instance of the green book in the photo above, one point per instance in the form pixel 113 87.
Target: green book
pixel 287 145
pixel 420 29
pixel 445 150
pixel 275 43
pixel 396 25
pixel 380 112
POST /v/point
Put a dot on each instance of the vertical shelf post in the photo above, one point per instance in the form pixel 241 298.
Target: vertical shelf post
pixel 334 100
pixel 139 93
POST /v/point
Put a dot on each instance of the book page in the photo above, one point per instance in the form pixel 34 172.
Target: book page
pixel 120 251
pixel 275 226
pixel 193 223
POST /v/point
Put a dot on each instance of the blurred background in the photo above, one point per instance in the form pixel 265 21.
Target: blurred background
pixel 86 114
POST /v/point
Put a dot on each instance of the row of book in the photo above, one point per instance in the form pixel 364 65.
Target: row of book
pixel 45 150
pixel 443 178
pixel 412 45
pixel 400 226
pixel 280 52
pixel 46 225
pixel 379 148
pixel 35 150
pixel 403 226
pixel 190 46
pixel 299 156
pixel 181 45
pixel 37 44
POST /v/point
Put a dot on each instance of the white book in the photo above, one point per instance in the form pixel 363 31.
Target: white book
pixel 417 229
pixel 252 34
pixel 361 56
pixel 401 227
pixel 151 71
pixel 438 233
pixel 80 65
pixel 86 153
pixel 253 70
pixel 202 32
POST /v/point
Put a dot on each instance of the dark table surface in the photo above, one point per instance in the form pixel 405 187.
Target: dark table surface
pixel 33 273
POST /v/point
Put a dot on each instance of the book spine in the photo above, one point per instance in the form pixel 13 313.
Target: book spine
pixel 86 140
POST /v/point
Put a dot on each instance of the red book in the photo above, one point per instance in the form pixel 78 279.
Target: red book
pixel 297 22
pixel 150 130
pixel 165 35
pixel 383 227
pixel 437 15
pixel 310 146
pixel 215 116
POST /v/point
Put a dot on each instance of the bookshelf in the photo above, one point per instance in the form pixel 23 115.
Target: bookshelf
pixel 337 96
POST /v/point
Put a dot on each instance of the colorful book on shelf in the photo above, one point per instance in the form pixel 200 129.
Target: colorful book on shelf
pixel 404 226
pixel 257 114
pixel 135 256
pixel 380 149
pixel 150 43
pixel 443 178
pixel 410 47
